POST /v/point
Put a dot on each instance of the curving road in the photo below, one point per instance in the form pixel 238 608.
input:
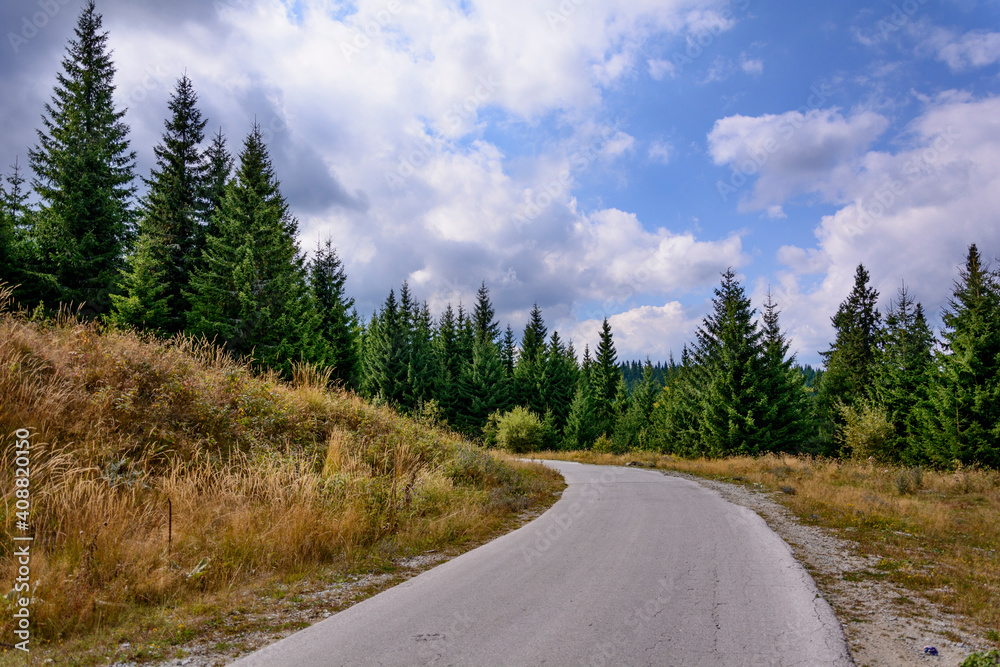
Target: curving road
pixel 630 567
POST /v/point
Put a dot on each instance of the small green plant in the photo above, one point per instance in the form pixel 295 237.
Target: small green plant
pixel 867 432
pixel 990 659
pixel 519 431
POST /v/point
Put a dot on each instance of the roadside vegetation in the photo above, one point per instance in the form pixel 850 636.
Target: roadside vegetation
pixel 166 475
pixel 936 533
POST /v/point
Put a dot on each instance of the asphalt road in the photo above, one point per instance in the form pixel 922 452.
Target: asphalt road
pixel 630 567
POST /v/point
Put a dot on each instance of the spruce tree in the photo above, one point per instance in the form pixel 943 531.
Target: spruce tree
pixel 785 421
pixel 508 353
pixel 606 375
pixel 170 220
pixel 581 426
pixel 249 292
pixel 482 388
pixel 327 280
pixel 218 167
pixel 558 382
pixel 677 411
pixel 733 397
pixel 15 249
pixel 448 363
pixel 83 175
pixel 483 317
pixel 851 359
pixel 530 364
pixel 634 430
pixel 962 420
pixel 386 355
pixel 904 370
pixel 421 373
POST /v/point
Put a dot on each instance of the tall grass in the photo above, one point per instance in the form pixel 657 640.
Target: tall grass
pixel 162 470
pixel 935 532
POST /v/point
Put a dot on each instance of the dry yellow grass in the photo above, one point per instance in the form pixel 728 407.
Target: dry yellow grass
pixel 936 533
pixel 163 472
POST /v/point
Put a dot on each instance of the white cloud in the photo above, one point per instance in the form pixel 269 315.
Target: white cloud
pixel 908 216
pixel 660 151
pixel 753 66
pixel 388 105
pixel 653 331
pixel 660 69
pixel 976 48
pixel 791 153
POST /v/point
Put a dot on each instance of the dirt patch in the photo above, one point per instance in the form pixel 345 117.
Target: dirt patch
pixel 886 626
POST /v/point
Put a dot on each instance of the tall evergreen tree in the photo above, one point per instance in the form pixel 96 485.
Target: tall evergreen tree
pixel 677 411
pixel 581 426
pixel 449 363
pixel 903 373
pixel 15 251
pixel 421 373
pixel 530 364
pixel 218 167
pixel 785 421
pixel 386 355
pixel 483 317
pixel 250 290
pixel 169 226
pixel 327 280
pixel 851 359
pixel 605 380
pixel 83 175
pixel 558 383
pixel 508 352
pixel 962 421
pixel 729 351
pixel 482 388
pixel 634 429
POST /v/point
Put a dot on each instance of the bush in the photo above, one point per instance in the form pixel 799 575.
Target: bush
pixel 520 431
pixel 909 480
pixel 867 432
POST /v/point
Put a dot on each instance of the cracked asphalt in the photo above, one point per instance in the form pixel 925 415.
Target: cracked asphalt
pixel 630 567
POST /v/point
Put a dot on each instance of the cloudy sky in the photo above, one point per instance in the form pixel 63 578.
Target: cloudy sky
pixel 600 157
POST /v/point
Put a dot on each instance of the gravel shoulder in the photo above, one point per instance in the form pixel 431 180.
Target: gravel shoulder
pixel 885 625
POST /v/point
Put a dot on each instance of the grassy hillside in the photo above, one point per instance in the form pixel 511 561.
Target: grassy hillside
pixel 165 472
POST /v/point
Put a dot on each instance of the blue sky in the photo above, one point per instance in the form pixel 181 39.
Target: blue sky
pixel 598 157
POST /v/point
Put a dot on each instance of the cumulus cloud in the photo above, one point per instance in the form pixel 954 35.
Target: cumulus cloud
pixel 653 331
pixel 660 151
pixel 908 215
pixel 791 153
pixel 976 48
pixel 660 69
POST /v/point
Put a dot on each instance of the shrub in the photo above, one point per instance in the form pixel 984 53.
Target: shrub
pixel 520 431
pixel 867 432
pixel 909 480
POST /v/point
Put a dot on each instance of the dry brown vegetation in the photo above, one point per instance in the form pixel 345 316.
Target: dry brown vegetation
pixel 935 533
pixel 162 472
